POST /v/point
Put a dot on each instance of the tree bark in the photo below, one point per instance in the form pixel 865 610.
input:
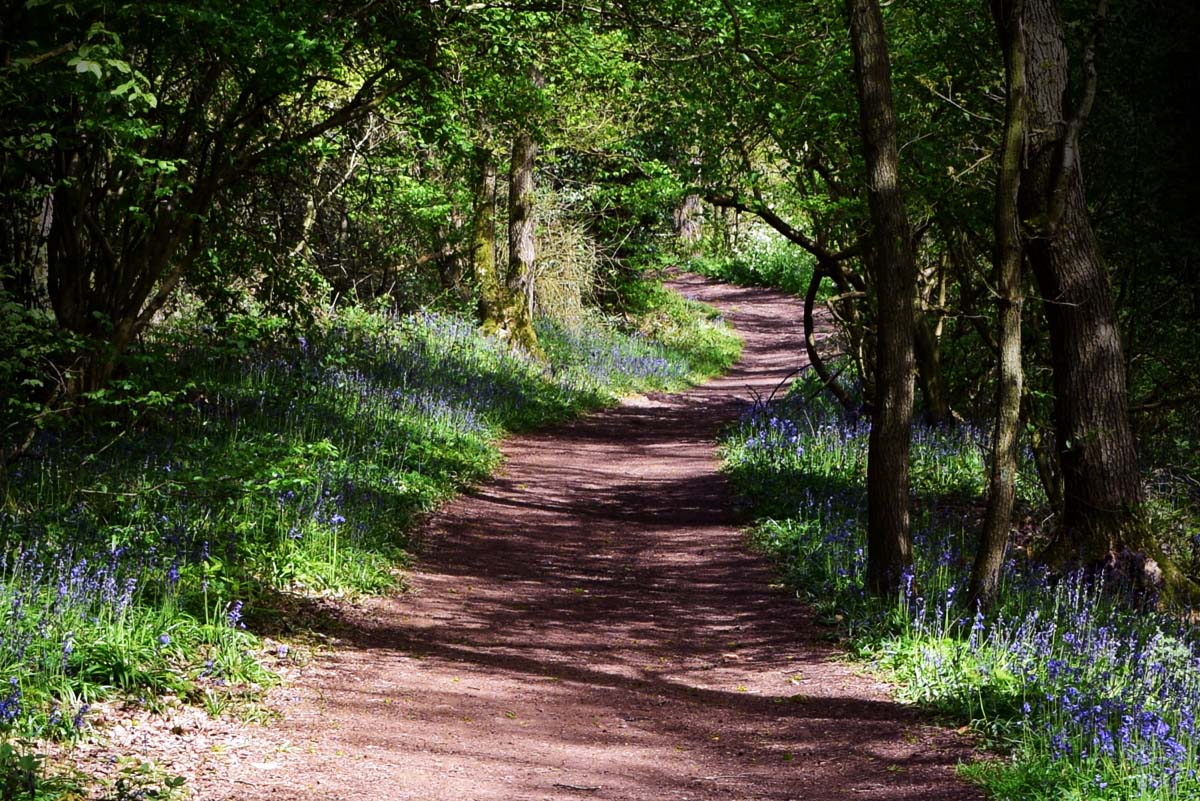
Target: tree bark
pixel 1010 254
pixel 1103 495
pixel 928 355
pixel 889 542
pixel 518 290
pixel 483 242
pixel 1045 460
pixel 688 230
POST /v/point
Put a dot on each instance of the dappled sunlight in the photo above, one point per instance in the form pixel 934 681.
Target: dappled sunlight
pixel 589 618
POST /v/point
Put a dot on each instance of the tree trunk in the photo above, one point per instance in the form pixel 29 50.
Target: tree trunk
pixel 483 243
pixel 451 260
pixel 928 354
pixel 1010 254
pixel 721 236
pixel 889 543
pixel 107 294
pixel 1045 460
pixel 1103 495
pixel 688 229
pixel 518 290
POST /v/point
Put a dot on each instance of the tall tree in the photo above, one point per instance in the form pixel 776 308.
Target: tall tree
pixel 1103 500
pixel 890 261
pixel 522 246
pixel 483 242
pixel 1010 256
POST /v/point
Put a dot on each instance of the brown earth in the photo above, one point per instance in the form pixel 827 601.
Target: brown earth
pixel 589 624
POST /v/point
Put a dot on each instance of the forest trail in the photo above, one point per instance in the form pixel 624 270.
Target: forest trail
pixel 588 624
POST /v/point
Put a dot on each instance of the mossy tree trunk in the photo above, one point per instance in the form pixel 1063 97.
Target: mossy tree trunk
pixel 483 243
pixel 687 219
pixel 522 249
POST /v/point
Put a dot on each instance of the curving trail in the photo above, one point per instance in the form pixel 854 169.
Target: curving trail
pixel 589 625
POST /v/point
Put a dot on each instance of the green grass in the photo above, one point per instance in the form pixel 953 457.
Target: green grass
pixel 689 333
pixel 1082 694
pixel 771 263
pixel 238 468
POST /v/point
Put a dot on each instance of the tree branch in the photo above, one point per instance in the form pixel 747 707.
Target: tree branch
pixel 1069 157
pixel 828 380
pixel 764 212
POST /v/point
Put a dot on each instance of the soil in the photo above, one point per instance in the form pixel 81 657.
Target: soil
pixel 589 624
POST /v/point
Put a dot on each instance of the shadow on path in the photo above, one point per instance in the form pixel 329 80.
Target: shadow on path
pixel 589 624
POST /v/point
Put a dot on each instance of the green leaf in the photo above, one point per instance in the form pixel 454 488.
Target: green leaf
pixel 86 65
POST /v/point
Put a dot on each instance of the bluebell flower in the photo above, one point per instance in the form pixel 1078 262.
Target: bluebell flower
pixel 10 706
pixel 234 615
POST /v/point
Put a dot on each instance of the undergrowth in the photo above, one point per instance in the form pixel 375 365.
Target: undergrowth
pixel 767 263
pixel 690 332
pixel 137 543
pixel 1088 697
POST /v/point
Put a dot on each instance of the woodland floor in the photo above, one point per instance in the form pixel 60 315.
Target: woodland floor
pixel 589 624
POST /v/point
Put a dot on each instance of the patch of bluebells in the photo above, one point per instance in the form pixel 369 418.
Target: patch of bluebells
pixel 1071 675
pixel 55 596
pixel 10 705
pixel 588 361
pixel 437 368
pixel 291 450
pixel 1104 688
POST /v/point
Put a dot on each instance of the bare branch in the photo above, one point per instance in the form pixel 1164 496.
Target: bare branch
pixel 764 212
pixel 828 380
pixel 61 50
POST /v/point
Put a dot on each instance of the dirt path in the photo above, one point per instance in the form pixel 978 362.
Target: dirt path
pixel 589 625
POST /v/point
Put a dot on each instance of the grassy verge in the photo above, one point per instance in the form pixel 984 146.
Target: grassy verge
pixel 689 332
pixel 770 263
pixel 136 546
pixel 1085 696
